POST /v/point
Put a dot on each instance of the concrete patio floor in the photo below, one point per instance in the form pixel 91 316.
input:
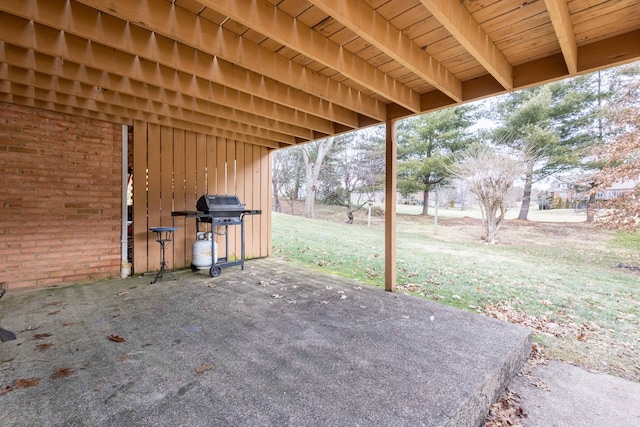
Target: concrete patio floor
pixel 275 344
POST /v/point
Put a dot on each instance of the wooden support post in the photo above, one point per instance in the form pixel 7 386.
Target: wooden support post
pixel 390 207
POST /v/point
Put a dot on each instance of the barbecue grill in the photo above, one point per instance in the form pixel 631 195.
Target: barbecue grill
pixel 221 211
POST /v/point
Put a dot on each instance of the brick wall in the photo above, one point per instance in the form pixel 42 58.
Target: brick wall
pixel 60 198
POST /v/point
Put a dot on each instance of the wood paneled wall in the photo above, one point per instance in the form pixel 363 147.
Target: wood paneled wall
pixel 172 168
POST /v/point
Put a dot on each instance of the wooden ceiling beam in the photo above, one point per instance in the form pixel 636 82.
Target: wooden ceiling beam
pixel 205 36
pixel 610 52
pixel 40 63
pixel 364 21
pixel 70 48
pixel 76 24
pixel 265 18
pixel 457 20
pixel 563 27
pixel 51 100
pixel 89 93
pixel 43 105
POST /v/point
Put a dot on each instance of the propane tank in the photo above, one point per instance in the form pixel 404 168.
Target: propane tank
pixel 202 250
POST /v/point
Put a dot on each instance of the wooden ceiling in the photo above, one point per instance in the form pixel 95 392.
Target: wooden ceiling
pixel 283 72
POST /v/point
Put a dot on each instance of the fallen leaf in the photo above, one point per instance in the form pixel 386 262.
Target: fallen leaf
pixel 26 383
pixel 122 293
pixel 53 304
pixel 41 336
pixel 67 324
pixel 263 283
pixel 116 338
pixel 7 389
pixel 204 368
pixel 124 357
pixel 506 411
pixel 43 347
pixel 53 312
pixel 61 373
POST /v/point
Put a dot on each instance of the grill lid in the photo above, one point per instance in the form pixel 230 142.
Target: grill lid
pixel 220 205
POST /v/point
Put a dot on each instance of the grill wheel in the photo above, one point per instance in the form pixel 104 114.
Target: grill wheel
pixel 215 271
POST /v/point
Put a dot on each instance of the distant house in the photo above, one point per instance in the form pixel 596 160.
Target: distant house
pixel 559 195
pixel 618 189
pixel 563 195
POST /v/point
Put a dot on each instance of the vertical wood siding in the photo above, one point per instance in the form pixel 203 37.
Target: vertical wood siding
pixel 172 168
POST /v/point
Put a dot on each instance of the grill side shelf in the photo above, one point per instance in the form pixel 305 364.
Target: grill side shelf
pixel 188 214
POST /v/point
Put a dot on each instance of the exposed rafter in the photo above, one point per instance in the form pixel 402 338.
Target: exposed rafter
pixel 190 30
pixel 276 73
pixel 466 30
pixel 105 82
pixel 391 41
pixel 41 98
pixel 562 25
pixel 63 88
pixel 139 43
pixel 267 19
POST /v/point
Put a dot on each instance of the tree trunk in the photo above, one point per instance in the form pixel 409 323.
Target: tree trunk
pixel 276 199
pixel 526 197
pixel 425 197
pixel 591 216
pixel 310 200
pixel 492 223
pixel 312 170
pixel 350 209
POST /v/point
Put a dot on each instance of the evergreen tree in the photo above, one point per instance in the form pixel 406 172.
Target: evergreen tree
pixel 426 148
pixel 555 124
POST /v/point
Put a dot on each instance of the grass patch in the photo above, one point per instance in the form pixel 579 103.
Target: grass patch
pixel 573 284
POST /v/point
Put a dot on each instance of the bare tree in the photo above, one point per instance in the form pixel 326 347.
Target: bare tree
pixel 314 154
pixel 356 165
pixel 490 176
pixel 287 176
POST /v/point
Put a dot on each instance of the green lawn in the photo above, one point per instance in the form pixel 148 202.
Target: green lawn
pixel 576 286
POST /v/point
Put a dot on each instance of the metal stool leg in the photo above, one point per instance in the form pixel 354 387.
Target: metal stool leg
pixel 163 263
pixel 163 239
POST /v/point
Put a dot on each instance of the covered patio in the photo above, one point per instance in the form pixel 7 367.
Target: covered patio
pixel 193 96
pixel 275 344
